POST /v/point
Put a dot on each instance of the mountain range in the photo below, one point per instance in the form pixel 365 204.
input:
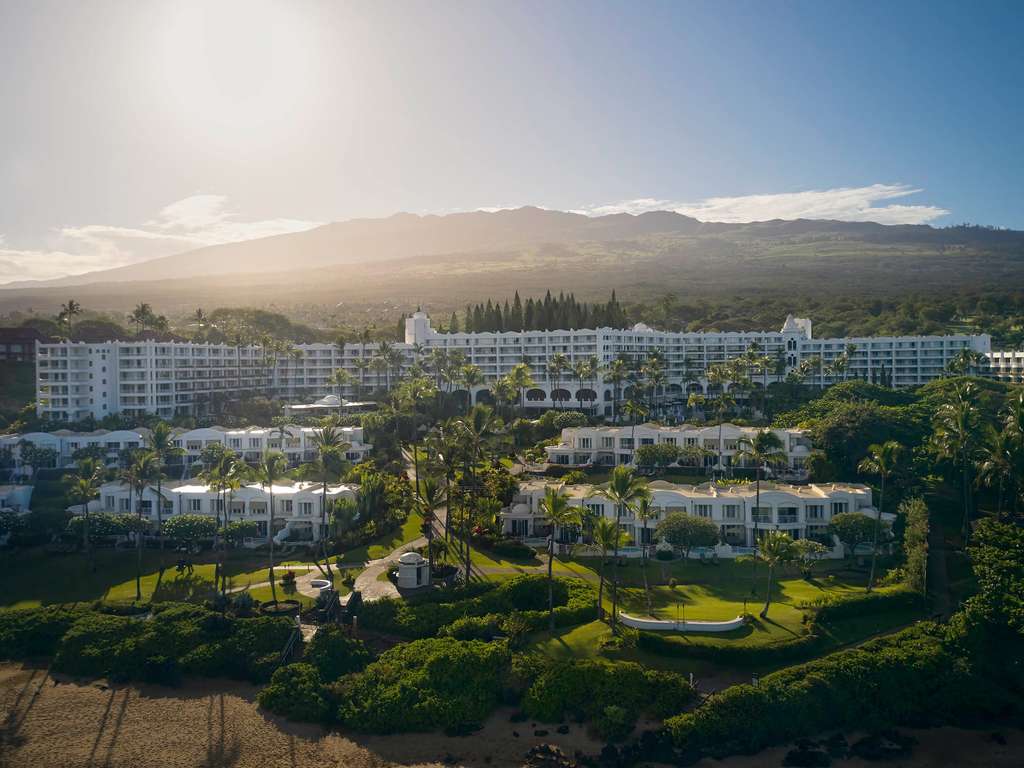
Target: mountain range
pixel 406 256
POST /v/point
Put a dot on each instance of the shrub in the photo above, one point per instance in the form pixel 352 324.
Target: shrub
pixel 909 678
pixel 585 688
pixel 424 685
pixel 35 631
pixel 98 645
pixel 333 653
pixel 297 692
pixel 838 607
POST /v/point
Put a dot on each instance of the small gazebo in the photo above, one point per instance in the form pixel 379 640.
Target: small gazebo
pixel 413 571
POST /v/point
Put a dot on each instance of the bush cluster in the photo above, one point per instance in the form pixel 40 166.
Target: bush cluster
pixel 297 692
pixel 108 641
pixel 526 595
pixel 880 601
pixel 334 654
pixel 610 695
pixel 910 678
pixel 437 683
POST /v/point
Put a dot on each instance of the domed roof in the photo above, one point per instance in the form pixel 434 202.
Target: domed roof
pixel 411 558
pixel 329 400
pixel 520 509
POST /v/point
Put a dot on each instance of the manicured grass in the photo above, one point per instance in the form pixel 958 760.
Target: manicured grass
pixel 410 531
pixel 32 577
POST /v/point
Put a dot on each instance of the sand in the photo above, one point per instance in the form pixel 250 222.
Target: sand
pixel 50 722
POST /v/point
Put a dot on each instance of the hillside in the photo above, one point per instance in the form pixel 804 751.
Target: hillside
pixel 444 262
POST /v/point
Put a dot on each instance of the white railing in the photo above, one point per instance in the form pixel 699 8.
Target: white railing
pixel 666 625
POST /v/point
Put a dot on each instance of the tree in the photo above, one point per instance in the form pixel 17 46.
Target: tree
pixel 521 379
pixel 161 445
pixel 271 469
pixel 915 542
pixel 142 471
pixel 67 315
pixel 142 316
pixel 645 512
pixel 430 495
pixel 852 529
pixel 659 455
pixel 331 452
pixel 882 461
pixel 608 536
pixel 557 365
pixel 636 411
pixel 616 374
pixel 763 450
pixel 686 532
pixel 191 528
pixel 237 531
pixel 1001 463
pixel 955 430
pixel 777 548
pixel 556 508
pixel 965 362
pixel 83 487
pixel 806 552
pixel 624 490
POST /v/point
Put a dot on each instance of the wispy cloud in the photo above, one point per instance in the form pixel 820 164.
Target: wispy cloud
pixel 843 203
pixel 193 222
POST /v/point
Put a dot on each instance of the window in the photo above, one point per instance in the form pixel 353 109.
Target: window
pixel 286 505
pixel 305 508
pixel 108 503
pixel 195 505
pixel 815 511
pixel 607 442
pixel 838 507
pixel 702 510
pixel 583 442
pixel 731 511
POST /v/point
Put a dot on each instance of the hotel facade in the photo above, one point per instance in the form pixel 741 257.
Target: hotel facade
pixel 78 380
pixel 250 443
pixel 802 511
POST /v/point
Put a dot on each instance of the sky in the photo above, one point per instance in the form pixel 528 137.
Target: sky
pixel 130 130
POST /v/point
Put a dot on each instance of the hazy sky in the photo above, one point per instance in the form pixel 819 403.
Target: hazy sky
pixel 135 129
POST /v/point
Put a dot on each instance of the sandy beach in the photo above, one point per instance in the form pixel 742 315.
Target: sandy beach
pixel 54 723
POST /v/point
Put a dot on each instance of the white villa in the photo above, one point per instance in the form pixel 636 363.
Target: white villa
pixel 297 508
pixel 252 442
pixel 608 446
pixel 803 511
pixel 75 380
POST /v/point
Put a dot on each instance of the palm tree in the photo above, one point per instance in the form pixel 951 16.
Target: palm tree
pixel 68 312
pixel 330 447
pixel 559 513
pixel 141 316
pixel 998 461
pixel 471 376
pixel 472 431
pixel 624 490
pixel 430 495
pixel 965 362
pixel 763 449
pixel 616 374
pixel 84 486
pixel 140 472
pixel 340 378
pixel 521 379
pixel 608 536
pixel 361 364
pixel 233 472
pixel 161 445
pixel 882 460
pixel 556 366
pixel 645 512
pixel 777 548
pixel 271 469
pixel 504 392
pixel 954 434
pixel 636 411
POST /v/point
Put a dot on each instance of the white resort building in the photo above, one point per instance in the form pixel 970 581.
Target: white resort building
pixel 251 443
pixel 608 446
pixel 803 511
pixel 298 508
pixel 75 380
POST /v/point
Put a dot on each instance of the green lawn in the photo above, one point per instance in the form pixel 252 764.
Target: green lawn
pixel 410 531
pixel 32 577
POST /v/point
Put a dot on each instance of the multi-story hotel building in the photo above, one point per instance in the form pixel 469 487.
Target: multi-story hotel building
pixel 251 443
pixel 76 380
pixel 1006 365
pixel 608 446
pixel 802 511
pixel 298 511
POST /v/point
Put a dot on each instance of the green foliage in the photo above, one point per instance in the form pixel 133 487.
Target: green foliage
pixel 35 631
pixel 297 692
pixel 915 541
pixel 190 528
pixel 909 678
pixel 527 594
pixel 333 653
pixel 686 532
pixel 584 689
pixel 659 455
pixel 852 528
pixel 425 685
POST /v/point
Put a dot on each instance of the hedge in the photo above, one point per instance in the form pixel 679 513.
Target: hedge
pixel 177 638
pixel 839 607
pixel 575 601
pixel 296 692
pixel 333 653
pixel 588 689
pixel 424 685
pixel 910 678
